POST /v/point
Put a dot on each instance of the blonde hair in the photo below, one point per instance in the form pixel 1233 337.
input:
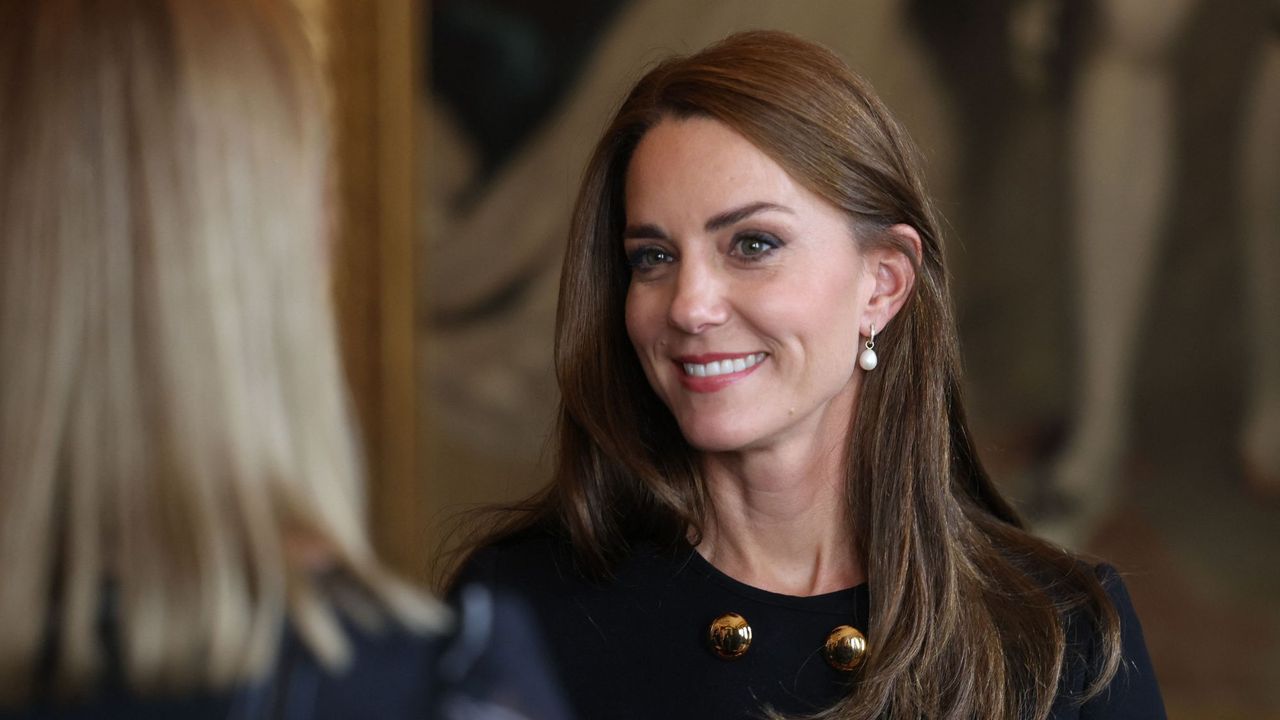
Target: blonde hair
pixel 175 438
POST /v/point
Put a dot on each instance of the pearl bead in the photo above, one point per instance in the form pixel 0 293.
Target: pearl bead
pixel 867 360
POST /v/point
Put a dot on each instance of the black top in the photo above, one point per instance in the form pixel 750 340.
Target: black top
pixel 636 646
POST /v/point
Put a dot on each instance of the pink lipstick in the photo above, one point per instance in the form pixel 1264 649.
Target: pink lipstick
pixel 710 372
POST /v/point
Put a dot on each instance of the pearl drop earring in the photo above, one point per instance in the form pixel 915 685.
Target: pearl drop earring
pixel 867 359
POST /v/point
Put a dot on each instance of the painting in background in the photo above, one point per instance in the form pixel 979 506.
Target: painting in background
pixel 1110 174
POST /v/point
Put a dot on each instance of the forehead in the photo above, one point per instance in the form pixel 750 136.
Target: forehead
pixel 702 166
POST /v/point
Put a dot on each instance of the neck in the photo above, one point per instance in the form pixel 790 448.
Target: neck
pixel 781 520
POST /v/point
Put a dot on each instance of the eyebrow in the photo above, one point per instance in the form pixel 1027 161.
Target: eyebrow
pixel 731 217
pixel 645 232
pixel 717 222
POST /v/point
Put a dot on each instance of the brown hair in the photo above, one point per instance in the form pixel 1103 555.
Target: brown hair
pixel 175 438
pixel 963 622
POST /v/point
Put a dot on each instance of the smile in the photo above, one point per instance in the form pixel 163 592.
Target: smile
pixel 709 373
pixel 725 366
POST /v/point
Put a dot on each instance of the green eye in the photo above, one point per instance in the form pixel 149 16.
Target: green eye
pixel 655 256
pixel 755 246
pixel 648 257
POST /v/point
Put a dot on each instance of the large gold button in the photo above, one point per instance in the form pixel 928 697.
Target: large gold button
pixel 730 635
pixel 845 648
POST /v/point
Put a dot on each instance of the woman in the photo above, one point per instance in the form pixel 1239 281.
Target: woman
pixel 766 498
pixel 181 521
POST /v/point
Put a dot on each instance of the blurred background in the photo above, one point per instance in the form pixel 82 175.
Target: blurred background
pixel 1109 172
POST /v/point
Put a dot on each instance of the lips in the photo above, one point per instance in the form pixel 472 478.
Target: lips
pixel 715 371
pixel 724 366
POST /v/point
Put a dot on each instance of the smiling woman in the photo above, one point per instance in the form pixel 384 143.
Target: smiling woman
pixel 777 278
pixel 788 529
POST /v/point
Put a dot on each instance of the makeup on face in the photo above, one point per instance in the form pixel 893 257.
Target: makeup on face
pixel 710 372
pixel 746 289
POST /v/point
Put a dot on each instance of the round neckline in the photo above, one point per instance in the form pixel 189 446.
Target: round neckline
pixel 836 601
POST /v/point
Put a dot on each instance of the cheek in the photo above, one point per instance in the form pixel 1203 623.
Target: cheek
pixel 643 321
pixel 822 305
pixel 633 317
pixel 825 318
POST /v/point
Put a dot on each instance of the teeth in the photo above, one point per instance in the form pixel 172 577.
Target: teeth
pixel 723 367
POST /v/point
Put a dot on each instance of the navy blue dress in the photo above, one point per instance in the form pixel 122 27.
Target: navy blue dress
pixel 635 648
pixel 490 667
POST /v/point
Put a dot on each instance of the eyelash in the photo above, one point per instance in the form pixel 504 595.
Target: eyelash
pixel 636 259
pixel 771 243
pixel 637 262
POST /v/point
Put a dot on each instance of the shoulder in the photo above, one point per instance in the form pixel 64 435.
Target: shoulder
pixel 391 673
pixel 528 560
pixel 510 671
pixel 1133 692
pixel 515 583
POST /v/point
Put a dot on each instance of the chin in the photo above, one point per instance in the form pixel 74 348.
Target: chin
pixel 708 436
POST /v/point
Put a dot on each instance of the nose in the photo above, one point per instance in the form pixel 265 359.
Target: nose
pixel 699 300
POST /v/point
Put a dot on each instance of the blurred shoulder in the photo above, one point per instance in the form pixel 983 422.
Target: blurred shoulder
pixel 391 673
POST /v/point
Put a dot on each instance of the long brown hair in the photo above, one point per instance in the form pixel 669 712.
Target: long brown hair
pixel 963 623
pixel 176 443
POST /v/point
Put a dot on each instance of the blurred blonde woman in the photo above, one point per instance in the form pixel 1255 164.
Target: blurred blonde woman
pixel 181 518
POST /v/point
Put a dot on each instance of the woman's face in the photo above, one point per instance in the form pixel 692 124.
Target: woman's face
pixel 747 291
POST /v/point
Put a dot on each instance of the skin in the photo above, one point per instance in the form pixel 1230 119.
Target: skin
pixel 731 257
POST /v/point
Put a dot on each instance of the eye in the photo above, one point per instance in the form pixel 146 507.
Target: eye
pixel 648 257
pixel 753 246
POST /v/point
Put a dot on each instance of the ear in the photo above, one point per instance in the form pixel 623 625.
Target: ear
pixel 894 274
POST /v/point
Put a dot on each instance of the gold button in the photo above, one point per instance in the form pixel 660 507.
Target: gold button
pixel 845 648
pixel 730 635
